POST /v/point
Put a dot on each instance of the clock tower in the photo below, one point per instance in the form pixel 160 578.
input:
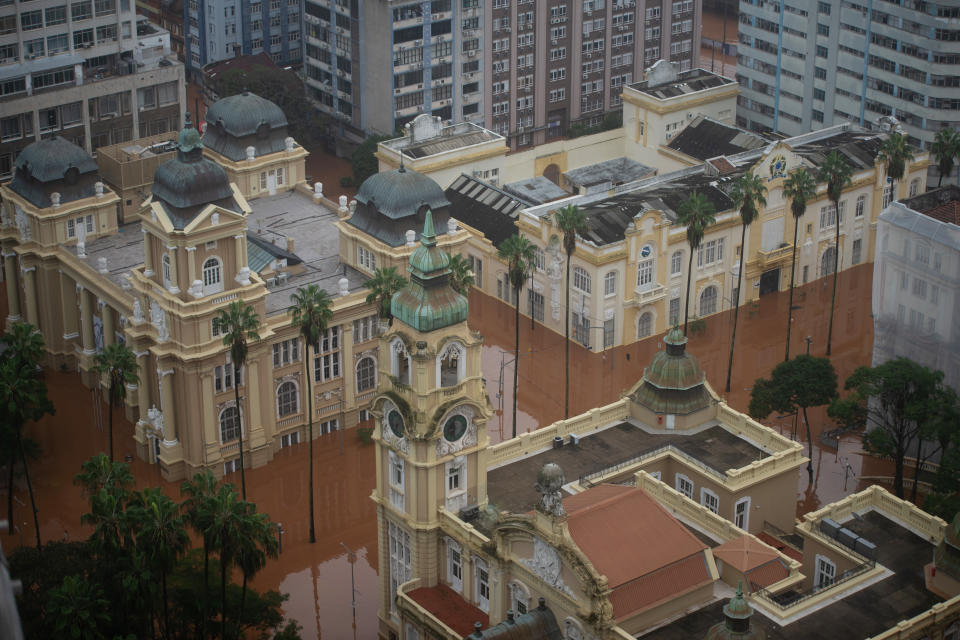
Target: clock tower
pixel 431 413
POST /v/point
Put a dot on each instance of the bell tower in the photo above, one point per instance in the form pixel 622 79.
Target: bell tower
pixel 431 437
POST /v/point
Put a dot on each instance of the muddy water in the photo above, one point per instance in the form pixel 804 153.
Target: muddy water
pixel 318 576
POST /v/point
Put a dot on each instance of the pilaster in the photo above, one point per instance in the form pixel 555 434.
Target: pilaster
pixel 147 253
pixel 30 294
pixel 13 290
pixel 174 274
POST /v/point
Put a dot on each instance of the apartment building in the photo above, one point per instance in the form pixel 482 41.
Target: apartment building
pixel 557 63
pixel 221 29
pixel 90 71
pixel 808 65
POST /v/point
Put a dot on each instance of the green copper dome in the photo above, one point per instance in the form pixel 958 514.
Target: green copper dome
pixel 428 302
pixel 673 383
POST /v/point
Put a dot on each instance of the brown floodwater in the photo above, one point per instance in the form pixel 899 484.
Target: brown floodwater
pixel 317 577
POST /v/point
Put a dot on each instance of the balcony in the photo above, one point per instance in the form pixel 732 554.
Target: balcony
pixel 774 257
pixel 648 295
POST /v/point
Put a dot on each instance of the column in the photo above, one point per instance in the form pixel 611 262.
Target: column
pixel 174 278
pixel 109 329
pixel 86 321
pixel 208 417
pixel 252 418
pixel 134 109
pixel 13 290
pixel 147 253
pixel 167 406
pixel 243 271
pixel 191 267
pixel 68 304
pixel 143 392
pixel 30 294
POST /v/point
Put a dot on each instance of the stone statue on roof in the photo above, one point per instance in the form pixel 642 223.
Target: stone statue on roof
pixel 550 482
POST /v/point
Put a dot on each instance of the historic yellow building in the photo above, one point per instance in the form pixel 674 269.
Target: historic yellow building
pixel 551 535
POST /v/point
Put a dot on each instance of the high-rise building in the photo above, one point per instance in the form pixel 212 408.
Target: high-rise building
pixel 90 71
pixel 807 65
pixel 526 70
pixel 558 63
pixel 221 29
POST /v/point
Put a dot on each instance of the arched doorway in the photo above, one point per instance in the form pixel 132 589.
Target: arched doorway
pixel 826 262
pixel 552 173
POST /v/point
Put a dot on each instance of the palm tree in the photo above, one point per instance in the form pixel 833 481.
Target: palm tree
pixel 311 312
pixel 99 472
pixel 198 510
pixel 23 398
pixel 519 253
pixel 748 196
pixel 256 541
pixel 571 221
pixel 800 187
pixel 162 537
pixel 239 325
pixel 385 282
pixel 894 154
pixel 461 276
pixel 697 213
pixel 119 363
pixel 837 173
pixel 946 147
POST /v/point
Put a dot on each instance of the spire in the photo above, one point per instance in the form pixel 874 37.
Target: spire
pixel 429 237
pixel 188 142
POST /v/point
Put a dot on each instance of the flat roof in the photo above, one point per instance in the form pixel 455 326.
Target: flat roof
pixel 705 138
pixel 686 82
pixel 451 138
pixel 511 486
pixel 536 189
pixel 273 219
pixel 861 614
pixel 613 171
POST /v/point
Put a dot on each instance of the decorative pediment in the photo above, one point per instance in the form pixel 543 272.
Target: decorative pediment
pixel 778 162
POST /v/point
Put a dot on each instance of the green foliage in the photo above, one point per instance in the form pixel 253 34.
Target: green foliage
pixel 119 363
pixel 894 154
pixel 385 282
pixel 310 312
pixel 946 149
pixel 239 325
pixel 519 254
pixel 612 120
pixel 901 403
pixel 99 473
pixel 461 276
pixel 696 213
pixel 77 609
pixel 800 187
pixel 837 173
pixel 571 221
pixel 698 326
pixel 365 434
pixel 305 123
pixel 365 163
pixel 748 195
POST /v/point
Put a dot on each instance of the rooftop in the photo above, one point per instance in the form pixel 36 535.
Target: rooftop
pixel 484 207
pixel 664 82
pixel 934 215
pixel 450 608
pixel 536 190
pixel 705 138
pixel 426 136
pixel 861 614
pixel 608 173
pixel 509 486
pixel 273 220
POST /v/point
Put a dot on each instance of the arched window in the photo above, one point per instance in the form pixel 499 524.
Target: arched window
pixel 400 361
pixel 708 301
pixel 676 263
pixel 229 425
pixel 826 262
pixel 450 364
pixel 212 276
pixel 366 374
pixel 287 400
pixel 581 280
pixel 645 325
pixel 861 206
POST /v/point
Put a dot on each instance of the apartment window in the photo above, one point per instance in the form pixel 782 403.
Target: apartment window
pixel 287 399
pixel 741 513
pixel 33 20
pixel 364 329
pixel 861 205
pixel 609 333
pixel 887 195
pixel 366 374
pixel 55 15
pixel 920 288
pixel 230 425
pixel 857 248
pixel 286 352
pixel 231 466
pixel 710 500
pixel 684 485
pixel 326 364
pixel 581 329
pixel 581 280
pixel 676 263
pixel 289 439
pixel 828 215
pixel 644 273
pixel 914 187
pixel 330 426
pixel 454 565
pixel 396 481
pixel 366 259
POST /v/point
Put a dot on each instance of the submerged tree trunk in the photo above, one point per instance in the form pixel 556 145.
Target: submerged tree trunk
pixel 206 588
pixel 793 268
pixel 236 395
pixel 306 366
pixel 110 421
pixel 566 348
pixel 223 598
pixel 916 471
pixel 516 358
pixel 243 601
pixel 33 502
pixel 809 447
pixel 836 274
pixel 686 303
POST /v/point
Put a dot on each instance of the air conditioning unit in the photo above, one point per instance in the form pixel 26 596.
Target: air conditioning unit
pixel 507 29
pixel 396 91
pixel 419 43
pixel 623 27
pixel 586 75
pixel 554 20
pixel 553 41
pixel 472 53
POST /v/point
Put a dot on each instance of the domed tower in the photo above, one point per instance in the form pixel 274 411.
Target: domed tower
pixel 247 135
pixel 673 384
pixel 736 624
pixel 431 415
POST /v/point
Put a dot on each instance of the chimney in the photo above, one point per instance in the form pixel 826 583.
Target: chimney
pixel 290 244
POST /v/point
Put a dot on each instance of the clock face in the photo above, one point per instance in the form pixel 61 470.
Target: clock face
pixel 395 420
pixel 454 428
pixel 646 251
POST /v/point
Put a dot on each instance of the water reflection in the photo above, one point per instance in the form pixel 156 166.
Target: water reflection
pixel 317 576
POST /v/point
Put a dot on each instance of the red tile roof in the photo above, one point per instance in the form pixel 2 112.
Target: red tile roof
pixel 788 551
pixel 946 212
pixel 663 584
pixel 745 553
pixel 766 574
pixel 450 608
pixel 625 533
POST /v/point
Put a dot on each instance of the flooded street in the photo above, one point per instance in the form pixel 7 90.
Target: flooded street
pixel 318 576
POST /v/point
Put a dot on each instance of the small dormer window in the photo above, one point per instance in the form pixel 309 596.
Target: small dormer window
pixel 166 270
